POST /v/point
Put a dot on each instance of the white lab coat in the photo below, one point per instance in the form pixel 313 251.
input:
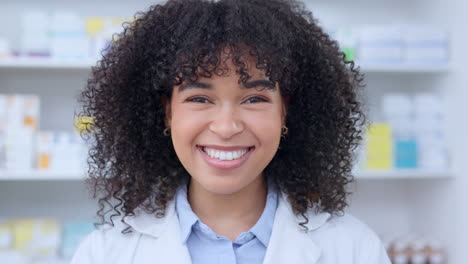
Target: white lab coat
pixel 330 240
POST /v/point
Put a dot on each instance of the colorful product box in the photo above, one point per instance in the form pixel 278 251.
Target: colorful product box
pixel 7 253
pixel 347 38
pixel 22 112
pixel 406 154
pixel 379 148
pixel 73 233
pixel 83 123
pixel 60 151
pixel 39 238
pixel 21 124
pixel 44 150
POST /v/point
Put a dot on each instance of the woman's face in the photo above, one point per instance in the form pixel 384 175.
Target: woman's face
pixel 224 134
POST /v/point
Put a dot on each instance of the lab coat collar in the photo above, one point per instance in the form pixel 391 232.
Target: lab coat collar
pixel 316 219
pixel 148 224
pixel 289 242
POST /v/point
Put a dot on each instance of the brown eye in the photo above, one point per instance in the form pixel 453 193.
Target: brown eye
pixel 201 100
pixel 256 99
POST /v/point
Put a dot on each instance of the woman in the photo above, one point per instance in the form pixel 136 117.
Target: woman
pixel 223 133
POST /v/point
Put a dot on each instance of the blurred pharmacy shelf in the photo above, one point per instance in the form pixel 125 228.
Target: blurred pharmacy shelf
pixel 37 175
pixel 404 68
pixel 45 63
pixel 48 63
pixel 402 174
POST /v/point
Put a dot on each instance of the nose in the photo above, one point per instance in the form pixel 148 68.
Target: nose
pixel 226 123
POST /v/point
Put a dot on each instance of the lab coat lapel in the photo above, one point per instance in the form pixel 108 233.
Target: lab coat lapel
pixel 289 243
pixel 162 238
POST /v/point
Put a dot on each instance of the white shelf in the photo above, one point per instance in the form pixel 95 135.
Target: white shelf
pixel 403 68
pixel 46 63
pixel 36 175
pixel 403 174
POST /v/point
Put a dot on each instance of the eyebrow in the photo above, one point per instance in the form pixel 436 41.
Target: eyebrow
pixel 257 83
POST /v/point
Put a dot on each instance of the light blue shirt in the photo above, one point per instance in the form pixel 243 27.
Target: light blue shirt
pixel 206 247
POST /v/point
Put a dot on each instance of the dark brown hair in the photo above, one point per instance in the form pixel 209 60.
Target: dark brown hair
pixel 131 162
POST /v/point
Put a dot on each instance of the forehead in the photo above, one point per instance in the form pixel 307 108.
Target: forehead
pixel 229 70
pixel 228 65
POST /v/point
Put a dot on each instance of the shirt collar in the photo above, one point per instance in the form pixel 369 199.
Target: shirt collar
pixel 187 218
pixel 262 229
pixel 147 223
pixel 264 226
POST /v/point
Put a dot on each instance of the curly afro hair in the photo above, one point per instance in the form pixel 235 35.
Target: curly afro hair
pixel 132 164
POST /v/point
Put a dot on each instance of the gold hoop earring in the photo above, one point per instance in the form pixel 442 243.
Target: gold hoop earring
pixel 166 132
pixel 284 131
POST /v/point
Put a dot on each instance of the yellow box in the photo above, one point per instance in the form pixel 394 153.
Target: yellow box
pixel 36 237
pixel 379 147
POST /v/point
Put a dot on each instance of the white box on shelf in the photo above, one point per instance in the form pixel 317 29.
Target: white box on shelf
pixel 426 44
pixel 35 27
pixel 4 48
pixel 431 135
pixel 3 120
pixel 398 110
pixel 66 152
pixel 19 146
pixel 22 112
pixel 429 104
pixel 13 257
pixel 70 47
pixel 69 40
pixel 380 44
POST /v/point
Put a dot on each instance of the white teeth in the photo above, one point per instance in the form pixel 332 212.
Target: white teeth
pixel 225 155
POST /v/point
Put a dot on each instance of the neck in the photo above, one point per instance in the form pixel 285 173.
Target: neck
pixel 229 214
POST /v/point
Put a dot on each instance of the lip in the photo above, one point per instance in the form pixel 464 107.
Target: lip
pixel 225 164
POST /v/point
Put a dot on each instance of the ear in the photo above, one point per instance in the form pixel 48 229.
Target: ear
pixel 167 110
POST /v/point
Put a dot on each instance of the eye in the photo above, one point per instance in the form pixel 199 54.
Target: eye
pixel 201 100
pixel 256 99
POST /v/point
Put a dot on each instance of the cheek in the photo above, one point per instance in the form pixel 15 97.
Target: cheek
pixel 186 122
pixel 266 125
pixel 185 126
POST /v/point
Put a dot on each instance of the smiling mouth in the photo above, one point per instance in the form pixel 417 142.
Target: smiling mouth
pixel 225 160
pixel 224 155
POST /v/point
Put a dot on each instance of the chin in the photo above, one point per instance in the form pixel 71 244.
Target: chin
pixel 224 187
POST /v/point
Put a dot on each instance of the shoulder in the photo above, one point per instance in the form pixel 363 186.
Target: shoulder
pixel 348 229
pixel 104 244
pixel 348 225
pixel 111 235
pixel 348 237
